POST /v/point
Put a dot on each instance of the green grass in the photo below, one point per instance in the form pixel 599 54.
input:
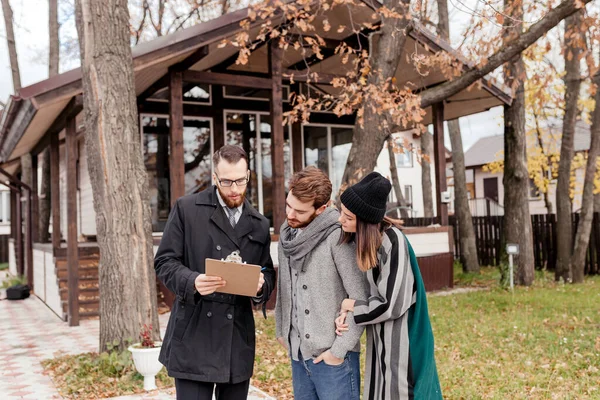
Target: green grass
pixel 13 280
pixel 3 266
pixel 93 375
pixel 541 342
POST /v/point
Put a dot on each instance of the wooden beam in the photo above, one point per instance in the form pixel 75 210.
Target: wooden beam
pixel 35 199
pixel 217 78
pixel 19 237
pixel 155 87
pixel 306 76
pixel 297 150
pixel 277 160
pixel 28 236
pixel 439 151
pixel 219 123
pixel 183 65
pixel 190 60
pixel 70 111
pixel 176 162
pixel 72 245
pixel 55 189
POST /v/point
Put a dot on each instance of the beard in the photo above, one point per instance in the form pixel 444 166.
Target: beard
pixel 294 223
pixel 232 203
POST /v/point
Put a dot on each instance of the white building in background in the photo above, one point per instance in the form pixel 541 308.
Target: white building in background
pixel 4 211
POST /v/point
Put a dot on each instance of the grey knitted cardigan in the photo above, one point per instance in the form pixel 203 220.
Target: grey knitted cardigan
pixel 328 272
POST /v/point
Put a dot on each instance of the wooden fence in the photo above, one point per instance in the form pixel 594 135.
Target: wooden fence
pixel 488 237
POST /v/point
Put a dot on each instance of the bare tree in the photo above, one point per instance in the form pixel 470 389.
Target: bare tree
pixel 564 205
pixel 582 238
pixel 395 179
pixel 12 46
pixel 517 220
pixel 127 280
pixel 468 253
pixel 427 187
pixel 53 63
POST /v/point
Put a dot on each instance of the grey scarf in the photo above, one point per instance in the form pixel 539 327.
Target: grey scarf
pixel 300 246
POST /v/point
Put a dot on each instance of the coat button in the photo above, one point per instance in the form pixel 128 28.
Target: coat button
pixel 209 314
pixel 307 336
pixel 250 237
pixel 306 312
pixel 218 247
pixel 229 316
pixel 304 287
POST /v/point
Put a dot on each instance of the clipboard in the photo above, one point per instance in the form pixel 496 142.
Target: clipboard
pixel 242 279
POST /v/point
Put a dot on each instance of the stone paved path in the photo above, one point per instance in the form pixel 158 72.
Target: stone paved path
pixel 30 332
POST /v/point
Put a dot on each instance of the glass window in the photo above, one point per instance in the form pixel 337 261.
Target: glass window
pixel 241 131
pixel 197 155
pixel 405 159
pixel 197 162
pixel 155 141
pixel 341 142
pixel 315 147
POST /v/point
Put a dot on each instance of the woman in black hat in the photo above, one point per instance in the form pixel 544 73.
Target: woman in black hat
pixel 400 361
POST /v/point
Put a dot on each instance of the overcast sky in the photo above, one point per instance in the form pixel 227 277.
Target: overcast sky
pixel 31 31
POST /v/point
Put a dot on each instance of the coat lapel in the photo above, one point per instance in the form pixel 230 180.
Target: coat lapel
pixel 219 218
pixel 244 225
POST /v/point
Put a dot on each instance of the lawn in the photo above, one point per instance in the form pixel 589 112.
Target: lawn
pixel 541 342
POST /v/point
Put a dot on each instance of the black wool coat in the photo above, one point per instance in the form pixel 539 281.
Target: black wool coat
pixel 210 338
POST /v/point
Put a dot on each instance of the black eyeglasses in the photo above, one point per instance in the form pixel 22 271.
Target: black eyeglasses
pixel 229 182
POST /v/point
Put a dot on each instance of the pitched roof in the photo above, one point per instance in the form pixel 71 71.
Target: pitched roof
pixel 491 148
pixel 40 104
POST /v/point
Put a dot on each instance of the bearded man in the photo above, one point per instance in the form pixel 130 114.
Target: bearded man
pixel 316 273
pixel 209 344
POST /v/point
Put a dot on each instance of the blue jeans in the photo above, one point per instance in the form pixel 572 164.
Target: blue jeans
pixel 326 382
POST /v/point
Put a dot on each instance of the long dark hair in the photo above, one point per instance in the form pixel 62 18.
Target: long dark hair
pixel 368 238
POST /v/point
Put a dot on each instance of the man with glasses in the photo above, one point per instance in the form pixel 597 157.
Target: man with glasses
pixel 209 343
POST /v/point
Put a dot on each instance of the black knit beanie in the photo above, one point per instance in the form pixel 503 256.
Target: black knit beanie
pixel 368 198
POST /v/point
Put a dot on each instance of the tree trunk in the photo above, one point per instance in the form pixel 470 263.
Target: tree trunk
pixel 113 145
pixel 547 201
pixel 582 239
pixel 54 42
pixel 396 179
pixel 12 46
pixel 53 62
pixel 564 205
pixel 597 203
pixel 368 139
pixel 468 253
pixel 517 221
pixel 427 149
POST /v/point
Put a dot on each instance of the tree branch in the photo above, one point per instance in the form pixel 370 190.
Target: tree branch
pixel 537 30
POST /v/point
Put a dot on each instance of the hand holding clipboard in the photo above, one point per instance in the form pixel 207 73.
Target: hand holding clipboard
pixel 241 279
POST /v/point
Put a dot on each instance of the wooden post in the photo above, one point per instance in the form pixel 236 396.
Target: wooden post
pixel 55 189
pixel 19 238
pixel 72 246
pixel 35 199
pixel 28 236
pixel 277 161
pixel 297 150
pixel 177 165
pixel 218 118
pixel 439 151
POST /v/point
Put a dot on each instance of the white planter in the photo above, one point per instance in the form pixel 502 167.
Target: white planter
pixel 147 364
